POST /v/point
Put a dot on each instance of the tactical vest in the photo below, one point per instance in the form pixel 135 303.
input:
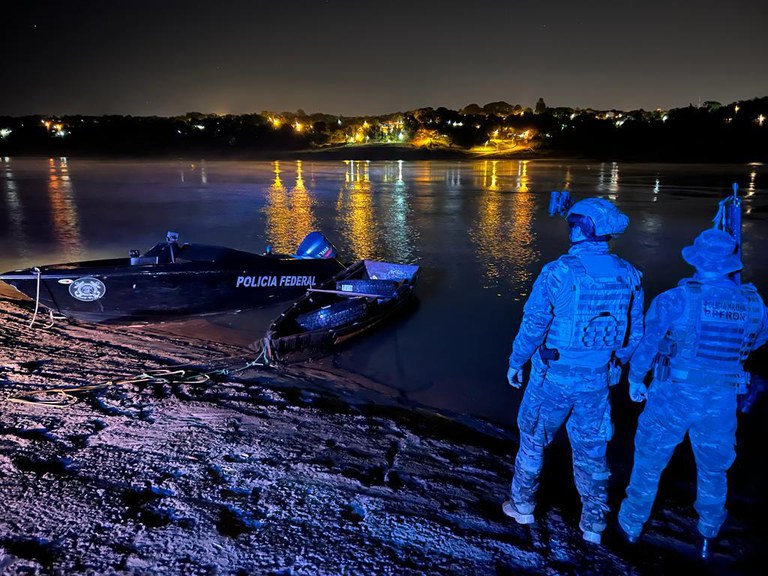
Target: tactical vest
pixel 719 327
pixel 597 317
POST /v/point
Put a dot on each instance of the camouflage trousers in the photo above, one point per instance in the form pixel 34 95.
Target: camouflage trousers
pixel 583 407
pixel 707 413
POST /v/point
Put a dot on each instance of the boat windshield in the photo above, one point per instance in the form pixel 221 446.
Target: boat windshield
pixel 390 271
pixel 219 254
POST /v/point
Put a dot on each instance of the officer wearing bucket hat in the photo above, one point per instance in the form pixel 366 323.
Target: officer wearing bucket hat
pixel 584 312
pixel 697 337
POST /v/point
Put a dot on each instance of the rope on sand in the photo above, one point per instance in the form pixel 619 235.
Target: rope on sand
pixel 66 396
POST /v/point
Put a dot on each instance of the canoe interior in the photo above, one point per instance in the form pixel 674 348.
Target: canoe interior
pixel 352 302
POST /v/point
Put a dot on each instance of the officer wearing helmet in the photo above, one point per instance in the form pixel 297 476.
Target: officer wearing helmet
pixel 697 338
pixel 584 314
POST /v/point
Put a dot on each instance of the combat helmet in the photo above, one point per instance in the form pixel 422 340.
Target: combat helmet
pixel 603 219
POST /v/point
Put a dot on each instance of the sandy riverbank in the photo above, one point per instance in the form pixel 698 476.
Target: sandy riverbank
pixel 264 472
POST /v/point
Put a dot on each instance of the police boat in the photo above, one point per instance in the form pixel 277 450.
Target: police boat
pixel 352 302
pixel 173 279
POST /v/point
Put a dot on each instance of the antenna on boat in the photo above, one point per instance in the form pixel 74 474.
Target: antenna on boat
pixel 172 239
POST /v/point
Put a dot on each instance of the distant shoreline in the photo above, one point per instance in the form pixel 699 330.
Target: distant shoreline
pixel 344 152
pixel 400 152
pixel 710 133
pixel 364 152
pixel 372 152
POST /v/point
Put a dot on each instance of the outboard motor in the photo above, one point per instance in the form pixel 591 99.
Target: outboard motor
pixel 316 245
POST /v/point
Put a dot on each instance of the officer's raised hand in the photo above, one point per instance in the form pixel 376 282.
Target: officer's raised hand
pixel 637 390
pixel 515 377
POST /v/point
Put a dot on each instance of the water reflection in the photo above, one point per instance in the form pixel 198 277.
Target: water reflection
pixel 393 172
pixel 503 230
pixel 289 213
pixel 490 176
pixel 522 176
pixel 400 236
pixel 15 210
pixel 751 189
pixel 192 169
pixel 421 178
pixel 452 177
pixel 302 205
pixel 354 206
pixel 612 186
pixel 66 226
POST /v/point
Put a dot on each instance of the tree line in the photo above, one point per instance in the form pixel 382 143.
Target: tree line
pixel 709 132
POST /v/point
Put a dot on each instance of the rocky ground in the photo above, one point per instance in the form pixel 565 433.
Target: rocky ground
pixel 180 461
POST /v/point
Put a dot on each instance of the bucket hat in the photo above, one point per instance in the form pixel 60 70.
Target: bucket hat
pixel 713 251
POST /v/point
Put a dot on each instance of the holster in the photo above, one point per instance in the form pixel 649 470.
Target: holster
pixel 547 354
pixel 614 372
pixel 661 363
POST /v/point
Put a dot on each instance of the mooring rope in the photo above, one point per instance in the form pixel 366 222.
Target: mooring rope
pixel 160 375
pixel 176 375
pixel 37 296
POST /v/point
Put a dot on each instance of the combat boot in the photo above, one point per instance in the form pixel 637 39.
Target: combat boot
pixel 593 537
pixel 522 513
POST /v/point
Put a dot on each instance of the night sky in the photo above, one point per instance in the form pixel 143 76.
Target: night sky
pixel 366 57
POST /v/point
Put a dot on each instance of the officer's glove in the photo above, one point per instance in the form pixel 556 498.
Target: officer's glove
pixel 515 377
pixel 637 390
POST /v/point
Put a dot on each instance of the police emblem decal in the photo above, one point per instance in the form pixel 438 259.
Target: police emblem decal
pixel 87 289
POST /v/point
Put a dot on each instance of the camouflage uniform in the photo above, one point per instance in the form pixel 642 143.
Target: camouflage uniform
pixel 708 325
pixel 587 305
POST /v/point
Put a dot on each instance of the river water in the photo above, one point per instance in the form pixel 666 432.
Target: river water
pixel 479 230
